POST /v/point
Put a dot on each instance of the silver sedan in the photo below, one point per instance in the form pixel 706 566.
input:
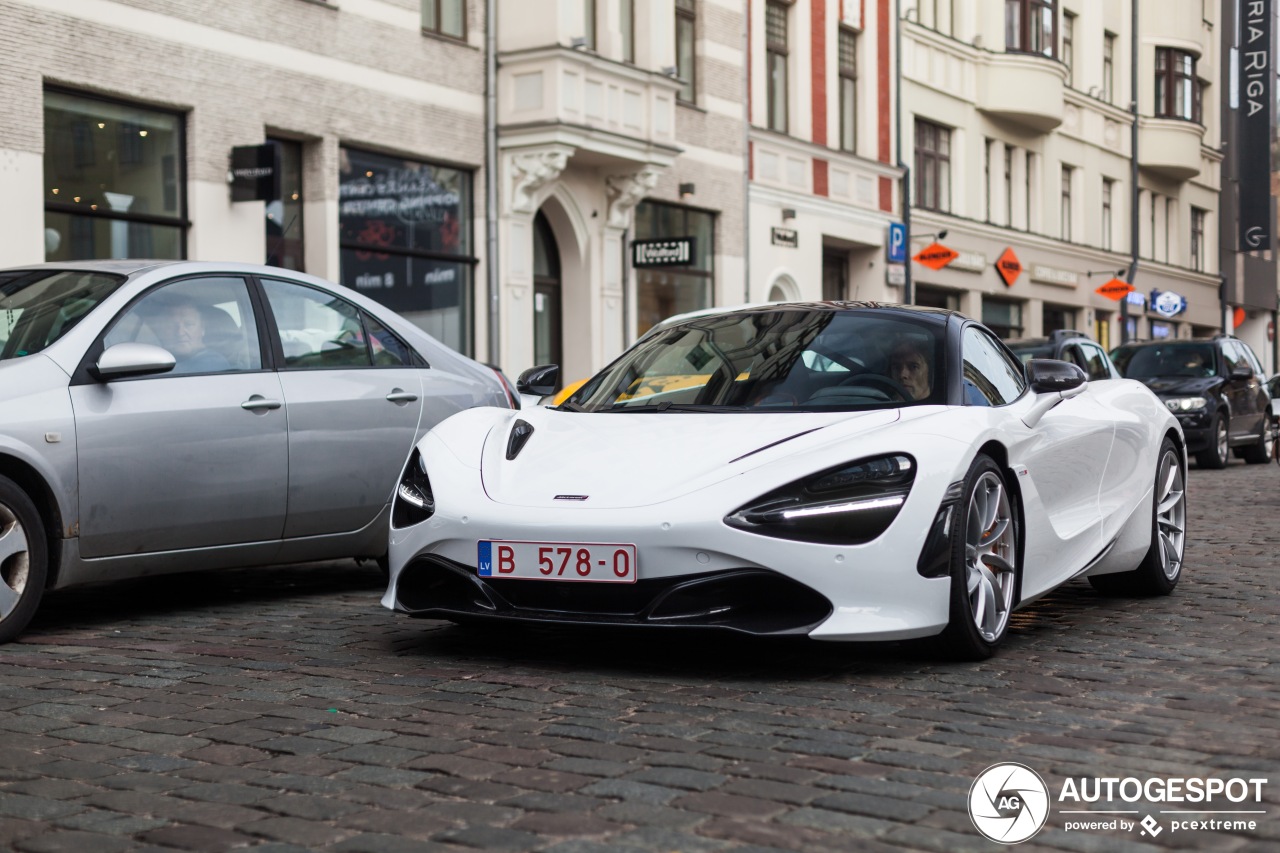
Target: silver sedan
pixel 172 416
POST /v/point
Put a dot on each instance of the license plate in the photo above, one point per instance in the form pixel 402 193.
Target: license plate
pixel 558 561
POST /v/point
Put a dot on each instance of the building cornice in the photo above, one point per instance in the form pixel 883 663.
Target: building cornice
pixel 808 149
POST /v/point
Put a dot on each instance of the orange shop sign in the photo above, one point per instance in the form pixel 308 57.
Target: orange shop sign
pixel 1115 289
pixel 935 256
pixel 1009 267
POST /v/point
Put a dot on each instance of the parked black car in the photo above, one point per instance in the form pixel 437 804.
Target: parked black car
pixel 1068 345
pixel 1217 389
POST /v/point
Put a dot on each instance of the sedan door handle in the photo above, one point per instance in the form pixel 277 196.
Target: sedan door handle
pixel 399 395
pixel 258 403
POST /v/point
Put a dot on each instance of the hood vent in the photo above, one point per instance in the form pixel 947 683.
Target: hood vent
pixel 520 433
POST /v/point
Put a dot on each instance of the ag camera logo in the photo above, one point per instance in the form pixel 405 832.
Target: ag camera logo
pixel 1008 803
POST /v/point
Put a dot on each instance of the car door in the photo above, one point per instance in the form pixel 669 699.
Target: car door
pixel 1059 462
pixel 353 392
pixel 1241 393
pixel 192 458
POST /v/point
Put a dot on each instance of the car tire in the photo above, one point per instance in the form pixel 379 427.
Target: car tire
pixel 984 573
pixel 1218 453
pixel 24 559
pixel 1161 566
pixel 1260 452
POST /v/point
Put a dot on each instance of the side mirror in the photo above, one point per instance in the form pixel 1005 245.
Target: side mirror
pixel 130 359
pixel 539 381
pixel 1047 375
pixel 1242 371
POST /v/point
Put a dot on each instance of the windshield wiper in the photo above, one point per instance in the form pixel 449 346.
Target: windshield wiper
pixel 567 406
pixel 678 407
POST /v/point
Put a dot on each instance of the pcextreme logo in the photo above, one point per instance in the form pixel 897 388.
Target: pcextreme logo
pixel 1008 803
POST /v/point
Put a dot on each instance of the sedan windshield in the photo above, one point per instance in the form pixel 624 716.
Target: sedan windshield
pixel 1173 359
pixel 774 360
pixel 40 306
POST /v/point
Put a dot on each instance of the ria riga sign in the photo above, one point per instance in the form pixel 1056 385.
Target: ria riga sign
pixel 1253 114
pixel 676 252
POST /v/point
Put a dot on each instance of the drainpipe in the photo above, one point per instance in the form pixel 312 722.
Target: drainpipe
pixel 904 177
pixel 1133 173
pixel 491 175
pixel 746 157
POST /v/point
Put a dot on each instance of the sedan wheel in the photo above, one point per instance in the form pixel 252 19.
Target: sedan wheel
pixel 1160 569
pixel 984 576
pixel 1260 453
pixel 22 560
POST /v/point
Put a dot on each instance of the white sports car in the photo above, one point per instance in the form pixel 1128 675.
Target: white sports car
pixel 846 471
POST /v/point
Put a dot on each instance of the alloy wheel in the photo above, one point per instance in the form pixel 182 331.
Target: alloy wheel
pixel 15 561
pixel 1224 451
pixel 1171 515
pixel 989 549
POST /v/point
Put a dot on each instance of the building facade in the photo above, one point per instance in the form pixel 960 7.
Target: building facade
pixel 1020 122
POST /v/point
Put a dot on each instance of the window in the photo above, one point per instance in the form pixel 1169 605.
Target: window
pixel 933 166
pixel 1095 362
pixel 992 377
pixel 987 147
pixel 1108 67
pixel 1102 329
pixel 627 23
pixel 1029 26
pixel 206 324
pixel 318 331
pixel 848 66
pixel 1068 175
pixel 1068 46
pixel 937 15
pixel 1197 239
pixel 776 55
pixel 589 24
pixel 445 17
pixel 113 180
pixel 1028 179
pixel 1002 317
pixel 686 31
pixel 1057 318
pixel 284 214
pixel 1177 87
pixel 1008 186
pixel 39 307
pixel 406 240
pixel 1108 189
pixel 664 291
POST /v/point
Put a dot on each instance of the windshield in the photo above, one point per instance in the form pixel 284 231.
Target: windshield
pixel 38 307
pixel 1174 359
pixel 774 360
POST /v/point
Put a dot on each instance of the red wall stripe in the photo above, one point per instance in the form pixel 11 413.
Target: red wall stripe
pixel 818 50
pixel 821 185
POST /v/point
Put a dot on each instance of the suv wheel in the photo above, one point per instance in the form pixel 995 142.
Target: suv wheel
pixel 1260 453
pixel 1218 453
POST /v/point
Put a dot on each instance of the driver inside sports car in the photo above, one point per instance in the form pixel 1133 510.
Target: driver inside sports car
pixel 909 366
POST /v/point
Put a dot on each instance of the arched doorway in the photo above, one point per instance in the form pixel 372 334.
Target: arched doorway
pixel 547 340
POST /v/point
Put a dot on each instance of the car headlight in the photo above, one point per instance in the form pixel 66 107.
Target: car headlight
pixel 849 505
pixel 1186 404
pixel 414 503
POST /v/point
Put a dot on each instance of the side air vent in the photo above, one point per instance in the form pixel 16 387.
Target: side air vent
pixel 520 433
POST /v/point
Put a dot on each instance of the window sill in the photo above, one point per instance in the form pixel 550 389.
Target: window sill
pixel 453 40
pixel 323 3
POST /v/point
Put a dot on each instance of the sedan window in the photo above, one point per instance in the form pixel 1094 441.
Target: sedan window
pixel 207 324
pixel 317 329
pixel 991 378
pixel 39 307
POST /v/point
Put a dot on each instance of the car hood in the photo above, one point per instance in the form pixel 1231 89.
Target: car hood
pixel 1172 386
pixel 616 460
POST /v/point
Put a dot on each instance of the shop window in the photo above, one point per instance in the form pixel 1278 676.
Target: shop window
pixel 445 18
pixel 284 214
pixel 405 237
pixel 936 297
pixel 686 33
pixel 664 291
pixel 1058 318
pixel 113 183
pixel 1002 317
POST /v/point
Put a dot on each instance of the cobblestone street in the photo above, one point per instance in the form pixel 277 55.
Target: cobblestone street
pixel 284 709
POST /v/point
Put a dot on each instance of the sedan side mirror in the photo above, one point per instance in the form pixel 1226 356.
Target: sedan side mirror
pixel 132 359
pixel 539 381
pixel 1047 375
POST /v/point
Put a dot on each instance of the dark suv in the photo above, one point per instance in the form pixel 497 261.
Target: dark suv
pixel 1216 388
pixel 1068 345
